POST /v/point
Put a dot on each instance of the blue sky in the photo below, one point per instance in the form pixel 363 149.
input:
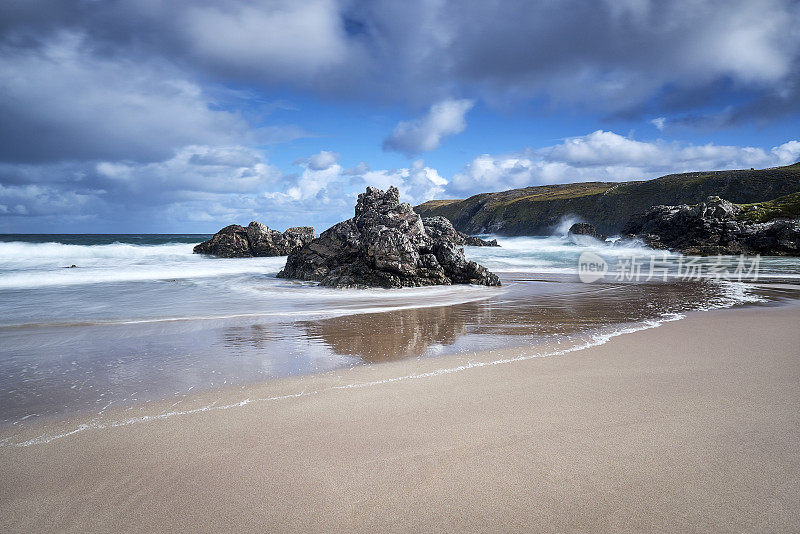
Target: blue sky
pixel 178 116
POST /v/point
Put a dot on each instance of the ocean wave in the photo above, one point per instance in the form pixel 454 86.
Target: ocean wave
pixel 22 252
pixel 34 265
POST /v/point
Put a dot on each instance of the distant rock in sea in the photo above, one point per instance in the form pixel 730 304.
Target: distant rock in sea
pixel 585 229
pixel 257 240
pixel 715 226
pixel 386 245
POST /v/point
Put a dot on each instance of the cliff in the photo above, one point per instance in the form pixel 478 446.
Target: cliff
pixel 606 205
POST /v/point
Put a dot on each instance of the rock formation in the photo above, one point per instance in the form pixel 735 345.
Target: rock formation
pixel 386 245
pixel 713 227
pixel 439 227
pixel 258 240
pixel 585 229
pixel 267 242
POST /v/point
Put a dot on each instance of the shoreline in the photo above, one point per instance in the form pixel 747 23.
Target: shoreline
pixel 50 428
pixel 691 425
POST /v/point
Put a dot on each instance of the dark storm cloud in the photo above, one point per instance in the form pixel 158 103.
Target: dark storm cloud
pixel 611 54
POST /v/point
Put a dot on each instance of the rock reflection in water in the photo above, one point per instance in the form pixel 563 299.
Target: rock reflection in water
pixel 526 313
pixel 380 337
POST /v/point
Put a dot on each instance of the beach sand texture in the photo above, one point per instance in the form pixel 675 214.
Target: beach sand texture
pixel 692 426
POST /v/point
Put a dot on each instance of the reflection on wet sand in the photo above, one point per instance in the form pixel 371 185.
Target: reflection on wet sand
pixel 380 337
pixel 255 336
pixel 525 312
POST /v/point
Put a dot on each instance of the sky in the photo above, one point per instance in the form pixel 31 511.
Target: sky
pixel 170 116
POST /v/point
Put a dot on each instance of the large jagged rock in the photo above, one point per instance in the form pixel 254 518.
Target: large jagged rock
pixel 256 240
pixel 713 227
pixel 438 227
pixel 386 245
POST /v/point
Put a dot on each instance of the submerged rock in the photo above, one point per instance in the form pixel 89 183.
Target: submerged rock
pixel 257 240
pixel 386 245
pixel 713 227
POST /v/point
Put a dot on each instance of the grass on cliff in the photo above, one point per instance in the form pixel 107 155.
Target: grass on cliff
pixel 529 194
pixel 785 207
pixel 543 193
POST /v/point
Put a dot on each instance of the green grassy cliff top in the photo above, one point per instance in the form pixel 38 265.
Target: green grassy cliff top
pixel 785 207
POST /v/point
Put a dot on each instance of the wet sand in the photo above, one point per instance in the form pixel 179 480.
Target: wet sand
pixel 694 425
pixel 55 371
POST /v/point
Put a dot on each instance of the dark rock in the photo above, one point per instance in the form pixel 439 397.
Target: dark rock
pixel 440 228
pixel 712 227
pixel 257 240
pixel 267 242
pixel 585 229
pixel 387 245
pixel 473 241
pixel 230 242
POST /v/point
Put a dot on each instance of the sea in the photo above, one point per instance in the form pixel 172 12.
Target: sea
pixel 90 323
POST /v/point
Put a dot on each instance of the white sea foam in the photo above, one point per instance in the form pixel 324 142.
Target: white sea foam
pixel 551 254
pixel 559 255
pixel 23 254
pixel 34 265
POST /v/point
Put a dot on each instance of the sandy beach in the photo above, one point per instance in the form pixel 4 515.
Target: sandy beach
pixel 691 426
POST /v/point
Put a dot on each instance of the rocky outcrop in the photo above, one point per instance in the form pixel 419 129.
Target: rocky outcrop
pixel 256 240
pixel 386 245
pixel 439 227
pixel 581 229
pixel 713 227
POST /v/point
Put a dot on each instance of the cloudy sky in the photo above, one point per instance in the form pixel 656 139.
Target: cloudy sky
pixel 178 116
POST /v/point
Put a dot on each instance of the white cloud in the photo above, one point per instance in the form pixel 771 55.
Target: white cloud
pixel 426 133
pixel 607 156
pixel 324 178
pixel 319 172
pixel 417 183
pixel 322 160
pixel 196 168
pixel 200 188
pixel 659 122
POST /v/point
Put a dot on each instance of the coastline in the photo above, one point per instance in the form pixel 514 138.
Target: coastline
pixel 691 425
